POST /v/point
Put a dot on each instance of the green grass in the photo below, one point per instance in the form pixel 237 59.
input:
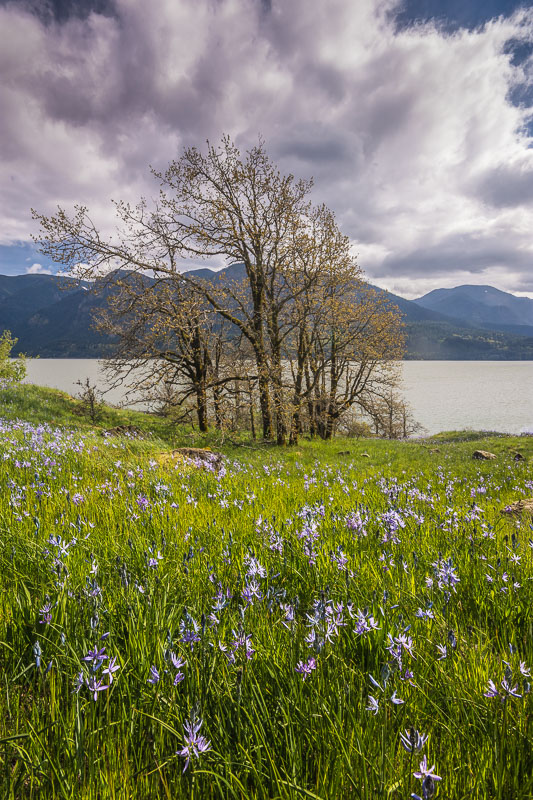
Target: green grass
pixel 147 544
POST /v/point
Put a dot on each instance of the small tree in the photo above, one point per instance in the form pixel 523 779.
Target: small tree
pixel 391 416
pixel 12 370
pixel 90 400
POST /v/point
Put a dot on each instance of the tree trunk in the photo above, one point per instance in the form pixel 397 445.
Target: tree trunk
pixel 264 400
pixel 311 412
pixel 217 405
pixel 201 407
pixel 331 408
pixel 279 405
pixel 281 427
pixel 252 416
pixel 297 397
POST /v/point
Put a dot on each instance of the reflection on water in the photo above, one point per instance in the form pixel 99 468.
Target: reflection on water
pixel 444 395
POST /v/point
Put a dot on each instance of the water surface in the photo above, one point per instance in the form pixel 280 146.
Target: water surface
pixel 444 395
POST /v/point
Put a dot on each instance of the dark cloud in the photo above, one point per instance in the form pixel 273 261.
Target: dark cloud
pixel 318 145
pixel 507 187
pixel 62 10
pixel 459 253
pixel 411 133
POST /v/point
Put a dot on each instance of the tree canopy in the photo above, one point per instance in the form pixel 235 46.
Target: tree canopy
pixel 299 326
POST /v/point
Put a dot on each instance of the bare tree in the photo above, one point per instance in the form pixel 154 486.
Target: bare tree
pixel 390 415
pixel 319 340
pixel 168 341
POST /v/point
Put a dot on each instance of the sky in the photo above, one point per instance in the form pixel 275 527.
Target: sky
pixel 414 117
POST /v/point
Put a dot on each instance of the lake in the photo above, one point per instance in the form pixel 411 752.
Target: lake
pixel 444 395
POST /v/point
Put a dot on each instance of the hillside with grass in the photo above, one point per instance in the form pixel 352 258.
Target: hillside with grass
pixel 349 619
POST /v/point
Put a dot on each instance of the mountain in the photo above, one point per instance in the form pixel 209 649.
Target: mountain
pixel 52 317
pixel 482 306
pixel 235 272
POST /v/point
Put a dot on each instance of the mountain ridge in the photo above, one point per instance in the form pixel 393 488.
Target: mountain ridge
pixel 481 304
pixel 52 316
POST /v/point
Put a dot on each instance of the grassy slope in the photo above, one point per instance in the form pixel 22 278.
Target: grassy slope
pixel 273 735
pixel 37 404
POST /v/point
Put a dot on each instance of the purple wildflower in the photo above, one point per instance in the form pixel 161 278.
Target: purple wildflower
pixel 111 668
pixel 443 650
pixel 512 691
pixel 79 680
pixel 425 771
pixel 176 662
pixel 45 614
pixel 492 690
pixel 142 502
pixel 305 668
pixel 241 640
pixel 95 686
pixel 373 705
pixel 412 740
pixel 428 778
pixel 355 523
pixel 195 744
pixel 95 658
pixel 154 676
pixel 396 700
pixel 289 614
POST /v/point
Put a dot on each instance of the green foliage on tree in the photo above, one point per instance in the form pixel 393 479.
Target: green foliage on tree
pixel 12 370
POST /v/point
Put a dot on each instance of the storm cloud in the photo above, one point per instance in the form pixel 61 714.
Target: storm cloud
pixel 413 134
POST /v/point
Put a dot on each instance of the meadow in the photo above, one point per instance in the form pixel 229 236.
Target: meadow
pixel 341 620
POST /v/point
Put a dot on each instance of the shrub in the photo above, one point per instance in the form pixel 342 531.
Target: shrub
pixel 12 370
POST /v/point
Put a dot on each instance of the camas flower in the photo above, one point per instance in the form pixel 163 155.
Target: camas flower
pixel 45 614
pixel 154 676
pixel 111 668
pixel 412 740
pixel 443 651
pixel 428 778
pixel 95 657
pixel 95 686
pixel 195 744
pixel 305 668
pixel 396 700
pixel 373 705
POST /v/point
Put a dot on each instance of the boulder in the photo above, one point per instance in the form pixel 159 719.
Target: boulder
pixel 123 430
pixel 483 455
pixel 520 507
pixel 200 457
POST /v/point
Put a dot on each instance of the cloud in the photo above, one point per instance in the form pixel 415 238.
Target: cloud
pixel 507 185
pixel 38 269
pixel 411 134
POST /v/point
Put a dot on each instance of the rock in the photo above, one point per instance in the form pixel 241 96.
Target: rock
pixel 519 506
pixel 483 455
pixel 123 430
pixel 200 457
